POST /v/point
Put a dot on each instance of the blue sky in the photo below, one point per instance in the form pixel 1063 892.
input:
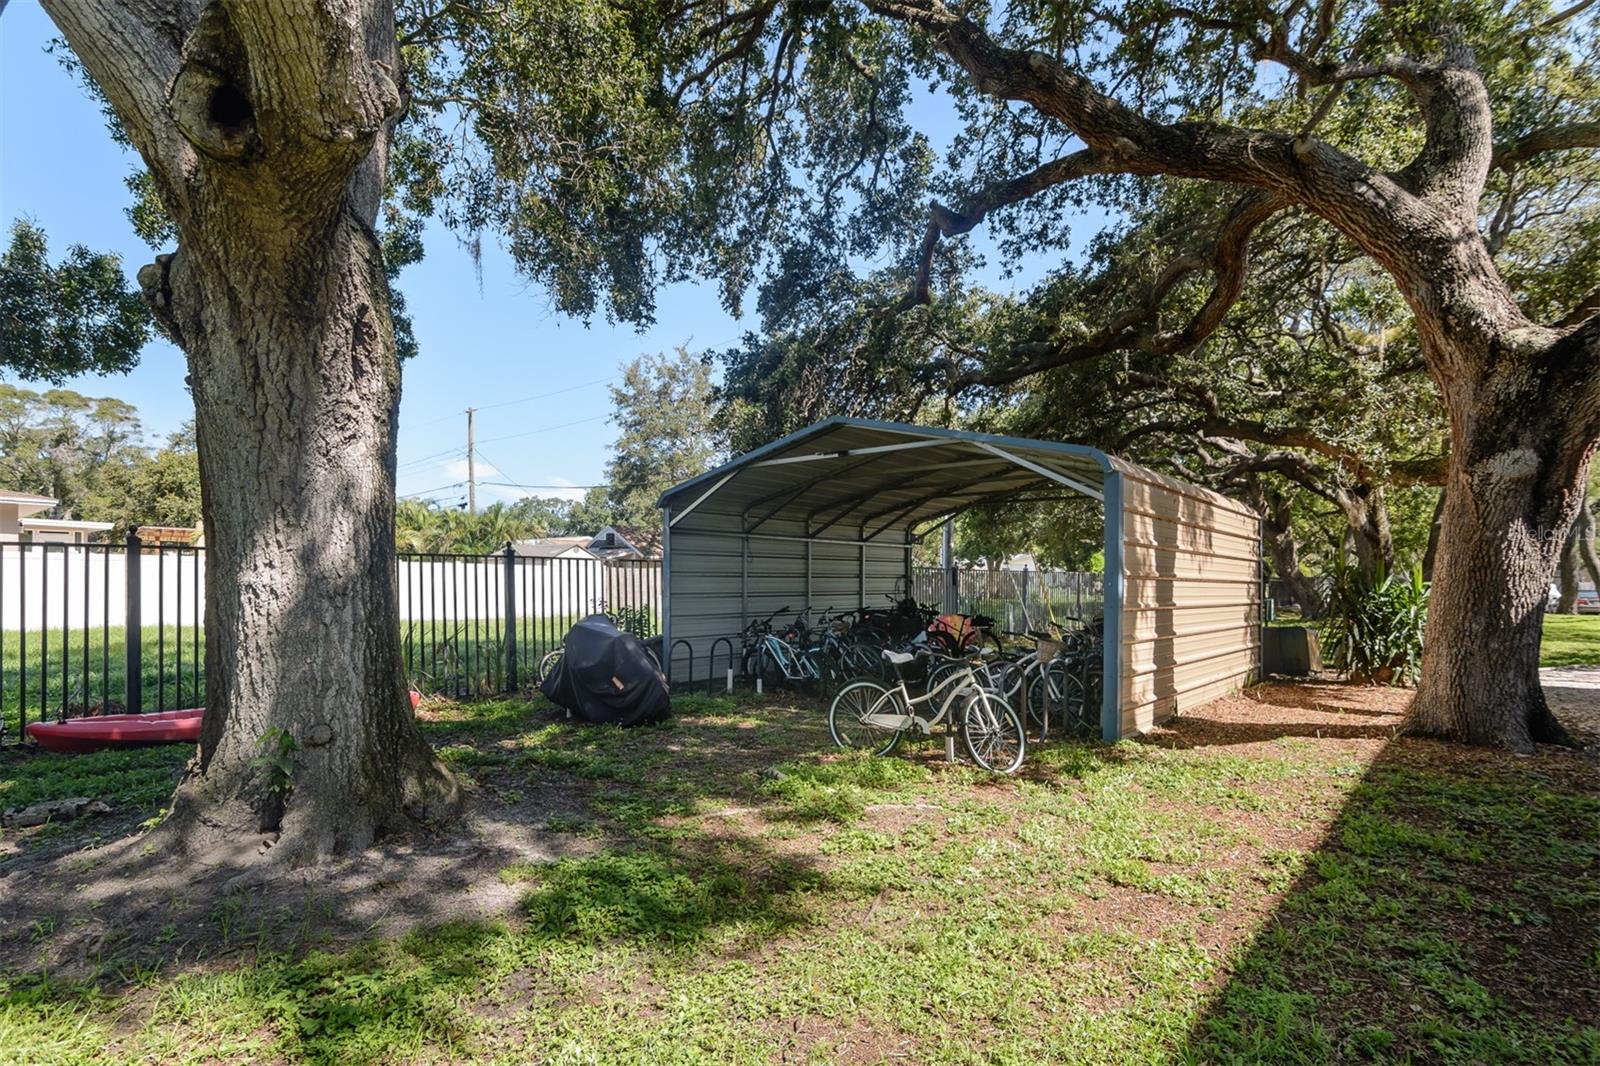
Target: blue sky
pixel 487 347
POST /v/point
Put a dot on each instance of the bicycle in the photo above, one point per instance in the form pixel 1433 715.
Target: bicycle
pixel 866 714
pixel 1070 683
pixel 771 658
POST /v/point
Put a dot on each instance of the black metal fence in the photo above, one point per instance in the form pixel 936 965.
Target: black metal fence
pixel 114 628
pixel 1018 599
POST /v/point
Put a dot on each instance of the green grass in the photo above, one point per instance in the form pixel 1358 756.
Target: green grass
pixel 171 669
pixel 1570 640
pixel 748 894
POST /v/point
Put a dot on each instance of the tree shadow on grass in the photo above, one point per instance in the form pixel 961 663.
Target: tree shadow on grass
pixel 624 889
pixel 1451 913
pixel 588 806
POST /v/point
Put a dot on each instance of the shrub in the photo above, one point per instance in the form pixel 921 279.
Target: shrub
pixel 1372 629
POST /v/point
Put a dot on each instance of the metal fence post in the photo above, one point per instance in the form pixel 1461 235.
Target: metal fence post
pixel 132 633
pixel 509 594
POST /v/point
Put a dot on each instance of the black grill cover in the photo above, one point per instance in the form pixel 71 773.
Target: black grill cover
pixel 605 675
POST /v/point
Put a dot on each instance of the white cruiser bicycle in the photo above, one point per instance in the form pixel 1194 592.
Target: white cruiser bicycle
pixel 867 714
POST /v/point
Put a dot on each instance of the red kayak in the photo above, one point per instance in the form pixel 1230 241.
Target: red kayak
pixel 118 730
pixel 92 733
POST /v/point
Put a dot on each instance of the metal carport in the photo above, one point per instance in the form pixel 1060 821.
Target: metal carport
pixel 828 517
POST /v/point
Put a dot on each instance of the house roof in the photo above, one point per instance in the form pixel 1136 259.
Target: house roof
pixel 551 547
pixel 646 541
pixel 26 503
pixel 63 524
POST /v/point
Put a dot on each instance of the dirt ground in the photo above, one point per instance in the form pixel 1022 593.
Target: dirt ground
pixel 121 905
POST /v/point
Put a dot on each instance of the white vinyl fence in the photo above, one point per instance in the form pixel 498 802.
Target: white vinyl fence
pixel 68 586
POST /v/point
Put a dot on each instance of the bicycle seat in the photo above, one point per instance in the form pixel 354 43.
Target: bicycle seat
pixel 898 658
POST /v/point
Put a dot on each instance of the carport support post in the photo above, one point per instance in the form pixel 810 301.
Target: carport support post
pixel 947 565
pixel 1111 664
pixel 666 598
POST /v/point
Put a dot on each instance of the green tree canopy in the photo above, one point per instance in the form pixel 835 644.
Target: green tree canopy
pixel 662 409
pixel 61 443
pixel 78 316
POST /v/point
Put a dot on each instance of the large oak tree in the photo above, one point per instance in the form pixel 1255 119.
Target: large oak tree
pixel 265 126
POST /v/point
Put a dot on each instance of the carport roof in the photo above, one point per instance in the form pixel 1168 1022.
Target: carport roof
pixel 868 478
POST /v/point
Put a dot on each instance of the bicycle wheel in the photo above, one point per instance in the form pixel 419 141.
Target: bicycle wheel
pixel 866 715
pixel 993 733
pixel 940 672
pixel 1044 693
pixel 1077 716
pixel 548 663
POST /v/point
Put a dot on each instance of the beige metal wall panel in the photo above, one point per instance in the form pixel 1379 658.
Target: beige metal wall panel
pixel 1191 611
pixel 721 579
pixel 1150 623
pixel 1158 592
pixel 1180 563
pixel 1153 700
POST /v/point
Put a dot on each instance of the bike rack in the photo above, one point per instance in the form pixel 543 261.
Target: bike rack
pixel 711 665
pixel 672 653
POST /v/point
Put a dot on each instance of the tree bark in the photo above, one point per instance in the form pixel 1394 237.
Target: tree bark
pixel 1284 548
pixel 266 125
pixel 1522 428
pixel 1431 554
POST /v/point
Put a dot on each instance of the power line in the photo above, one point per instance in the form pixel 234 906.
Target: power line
pixel 546 429
pixel 507 403
pixel 547 395
pixel 519 485
pixel 525 399
pixel 498 469
pixel 426 492
pixel 425 458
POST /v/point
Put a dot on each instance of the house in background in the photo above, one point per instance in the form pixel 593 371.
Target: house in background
pixel 626 543
pixel 19 524
pixel 166 536
pixel 553 548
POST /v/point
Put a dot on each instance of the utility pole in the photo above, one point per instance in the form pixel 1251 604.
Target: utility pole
pixel 472 468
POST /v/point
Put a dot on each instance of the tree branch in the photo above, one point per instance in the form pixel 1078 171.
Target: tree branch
pixel 944 222
pixel 132 50
pixel 1551 139
pixel 1378 212
pixel 1228 261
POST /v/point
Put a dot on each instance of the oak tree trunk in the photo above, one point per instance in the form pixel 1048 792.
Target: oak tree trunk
pixel 1277 529
pixel 296 393
pixel 1369 542
pixel 1583 530
pixel 1567 574
pixel 266 127
pixel 1521 434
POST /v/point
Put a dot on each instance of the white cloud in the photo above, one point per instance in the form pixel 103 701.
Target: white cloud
pixel 456 470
